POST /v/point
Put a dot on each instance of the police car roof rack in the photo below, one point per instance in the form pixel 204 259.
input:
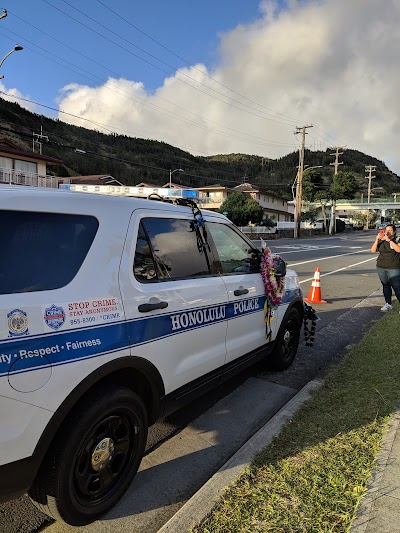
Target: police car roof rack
pixel 173 200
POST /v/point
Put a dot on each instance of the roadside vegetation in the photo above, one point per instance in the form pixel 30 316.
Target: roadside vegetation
pixel 314 474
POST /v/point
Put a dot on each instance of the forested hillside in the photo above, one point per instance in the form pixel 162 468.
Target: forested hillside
pixel 132 160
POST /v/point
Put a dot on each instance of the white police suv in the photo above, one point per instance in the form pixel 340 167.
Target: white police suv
pixel 113 313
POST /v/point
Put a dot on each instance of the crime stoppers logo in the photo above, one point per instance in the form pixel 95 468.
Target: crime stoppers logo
pixel 17 323
pixel 54 316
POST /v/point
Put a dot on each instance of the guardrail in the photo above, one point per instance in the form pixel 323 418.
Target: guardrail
pixel 280 226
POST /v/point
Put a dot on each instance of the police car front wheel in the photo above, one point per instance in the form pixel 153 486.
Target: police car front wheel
pixel 96 455
pixel 287 341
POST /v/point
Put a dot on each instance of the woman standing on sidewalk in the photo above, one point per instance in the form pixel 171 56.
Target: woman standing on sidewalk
pixel 388 263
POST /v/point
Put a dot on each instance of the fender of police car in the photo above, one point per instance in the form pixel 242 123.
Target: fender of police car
pixel 134 372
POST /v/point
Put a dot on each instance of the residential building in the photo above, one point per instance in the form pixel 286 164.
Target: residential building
pixel 22 167
pixel 274 206
pixel 213 196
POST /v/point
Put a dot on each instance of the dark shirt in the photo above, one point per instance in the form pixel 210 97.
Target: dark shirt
pixel 387 257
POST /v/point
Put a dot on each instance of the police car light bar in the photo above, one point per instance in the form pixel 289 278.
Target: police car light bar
pixel 137 192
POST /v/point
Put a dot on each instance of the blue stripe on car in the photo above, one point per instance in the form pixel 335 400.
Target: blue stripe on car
pixel 40 351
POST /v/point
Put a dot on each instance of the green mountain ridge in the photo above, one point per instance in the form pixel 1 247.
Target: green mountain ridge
pixel 132 160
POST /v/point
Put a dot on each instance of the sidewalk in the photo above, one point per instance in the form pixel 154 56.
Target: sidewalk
pixel 379 511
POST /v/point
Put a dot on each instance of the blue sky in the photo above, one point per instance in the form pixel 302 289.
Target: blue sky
pixel 190 29
pixel 248 72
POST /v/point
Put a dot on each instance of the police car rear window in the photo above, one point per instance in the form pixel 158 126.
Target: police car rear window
pixel 175 247
pixel 42 251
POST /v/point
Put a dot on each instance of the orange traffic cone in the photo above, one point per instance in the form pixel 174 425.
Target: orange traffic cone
pixel 314 296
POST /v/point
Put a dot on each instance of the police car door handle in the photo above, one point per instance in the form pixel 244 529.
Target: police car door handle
pixel 146 308
pixel 239 292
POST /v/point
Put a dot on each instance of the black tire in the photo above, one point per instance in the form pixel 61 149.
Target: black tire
pixel 94 457
pixel 287 341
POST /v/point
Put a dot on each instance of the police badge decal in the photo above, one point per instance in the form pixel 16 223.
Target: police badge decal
pixel 17 321
pixel 54 316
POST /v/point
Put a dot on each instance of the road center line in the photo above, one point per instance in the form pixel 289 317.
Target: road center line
pixel 324 258
pixel 296 251
pixel 339 269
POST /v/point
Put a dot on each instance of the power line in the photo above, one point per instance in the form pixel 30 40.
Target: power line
pixel 257 114
pixel 134 163
pixel 111 131
pixel 329 135
pixel 122 160
pixel 142 101
pixel 86 142
pixel 194 66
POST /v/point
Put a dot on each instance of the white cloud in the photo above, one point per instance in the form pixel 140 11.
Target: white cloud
pixel 328 62
pixel 7 94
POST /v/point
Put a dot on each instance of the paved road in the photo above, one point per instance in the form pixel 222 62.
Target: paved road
pixel 347 278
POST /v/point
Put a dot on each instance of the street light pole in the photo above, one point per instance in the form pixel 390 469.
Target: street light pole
pixel 16 48
pixel 306 169
pixel 173 172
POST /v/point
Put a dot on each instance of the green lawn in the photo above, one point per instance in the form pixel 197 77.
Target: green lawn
pixel 314 473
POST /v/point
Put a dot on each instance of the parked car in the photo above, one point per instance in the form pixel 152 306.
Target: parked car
pixel 115 312
pixel 381 225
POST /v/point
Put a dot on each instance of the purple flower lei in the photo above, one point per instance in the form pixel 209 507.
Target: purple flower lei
pixel 274 286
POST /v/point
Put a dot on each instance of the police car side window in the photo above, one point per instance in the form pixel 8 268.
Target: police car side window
pixel 175 247
pixel 235 254
pixel 42 251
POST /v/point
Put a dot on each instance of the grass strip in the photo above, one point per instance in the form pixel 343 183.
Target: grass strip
pixel 314 473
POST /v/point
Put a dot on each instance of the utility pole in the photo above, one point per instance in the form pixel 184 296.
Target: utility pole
pixel 370 169
pixel 299 185
pixel 332 225
pixel 37 140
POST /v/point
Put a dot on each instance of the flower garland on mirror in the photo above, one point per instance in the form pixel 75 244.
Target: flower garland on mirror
pixel 274 284
pixel 273 270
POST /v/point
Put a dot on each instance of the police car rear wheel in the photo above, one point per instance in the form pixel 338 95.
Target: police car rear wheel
pixel 96 456
pixel 287 341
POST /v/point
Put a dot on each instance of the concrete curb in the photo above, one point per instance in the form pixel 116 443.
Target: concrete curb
pixel 201 503
pixel 376 486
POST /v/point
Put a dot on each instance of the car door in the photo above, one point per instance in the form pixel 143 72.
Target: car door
pixel 174 302
pixel 240 265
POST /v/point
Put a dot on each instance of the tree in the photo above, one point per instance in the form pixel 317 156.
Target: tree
pixel 242 209
pixel 344 186
pixel 359 220
pixel 311 215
